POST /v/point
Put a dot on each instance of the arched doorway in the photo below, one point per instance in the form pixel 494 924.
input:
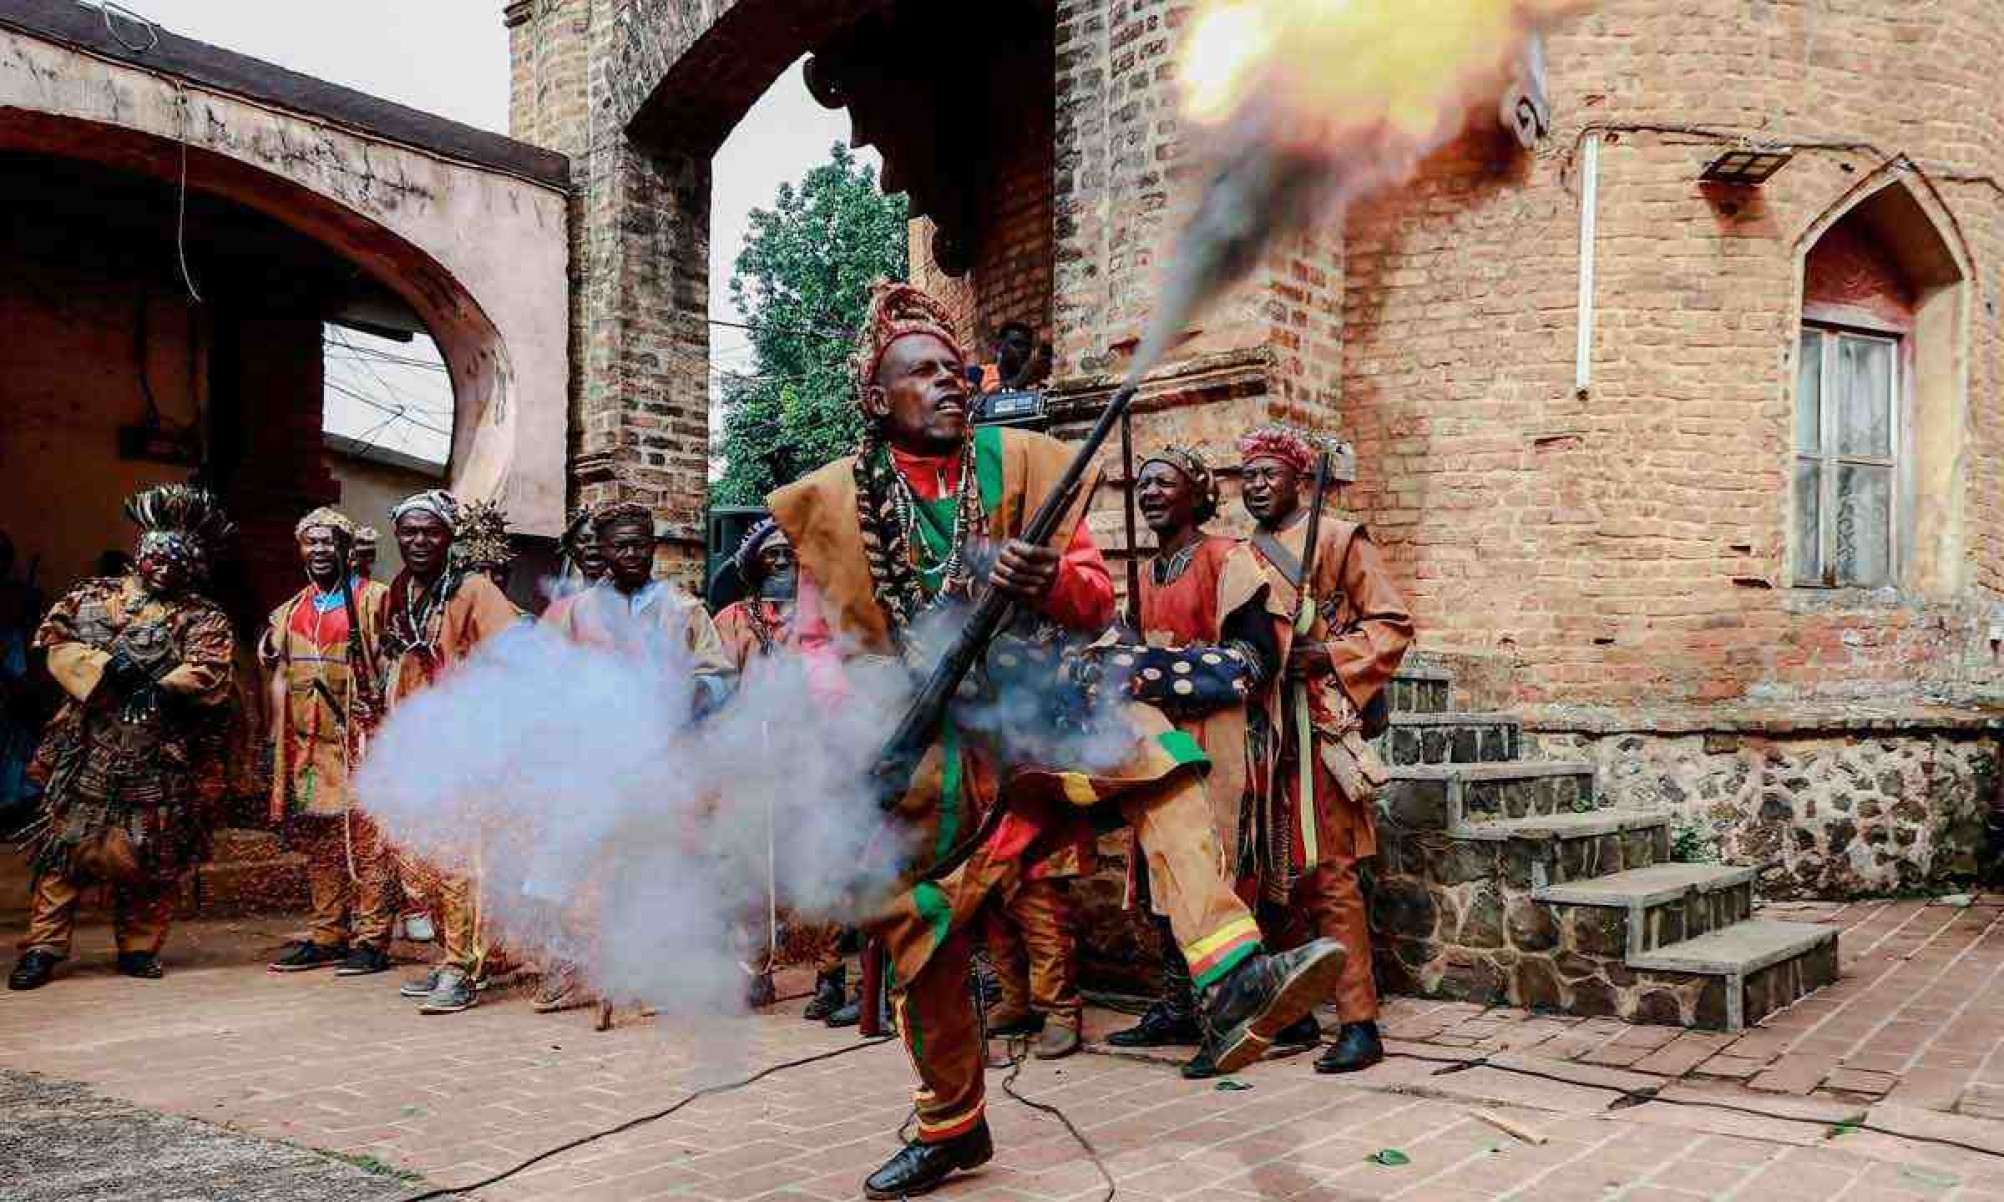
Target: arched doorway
pixel 964 120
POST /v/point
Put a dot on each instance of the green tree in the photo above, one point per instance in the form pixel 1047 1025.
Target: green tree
pixel 802 282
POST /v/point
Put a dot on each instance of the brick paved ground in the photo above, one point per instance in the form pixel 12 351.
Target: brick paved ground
pixel 343 1065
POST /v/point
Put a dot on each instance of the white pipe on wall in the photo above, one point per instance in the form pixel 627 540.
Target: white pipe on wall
pixel 1589 203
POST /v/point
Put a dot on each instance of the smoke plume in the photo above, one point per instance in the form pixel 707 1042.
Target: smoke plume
pixel 1297 107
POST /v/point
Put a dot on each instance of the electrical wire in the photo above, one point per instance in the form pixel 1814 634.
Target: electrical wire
pixel 642 1120
pixel 1639 1097
pixel 395 411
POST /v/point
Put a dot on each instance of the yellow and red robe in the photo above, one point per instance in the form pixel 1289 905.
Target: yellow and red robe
pixel 319 727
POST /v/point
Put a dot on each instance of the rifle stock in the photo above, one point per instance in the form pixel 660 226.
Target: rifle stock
pixel 920 725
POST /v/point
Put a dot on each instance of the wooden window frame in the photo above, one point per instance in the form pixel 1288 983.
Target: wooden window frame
pixel 1829 459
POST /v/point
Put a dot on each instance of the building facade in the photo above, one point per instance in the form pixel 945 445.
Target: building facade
pixel 1692 476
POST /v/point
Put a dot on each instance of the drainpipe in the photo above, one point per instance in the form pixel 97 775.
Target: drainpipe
pixel 1589 203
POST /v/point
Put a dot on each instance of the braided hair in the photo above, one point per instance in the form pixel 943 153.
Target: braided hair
pixel 895 310
pixel 899 592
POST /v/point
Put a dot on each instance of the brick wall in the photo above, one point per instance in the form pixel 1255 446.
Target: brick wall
pixel 1620 548
pixel 1630 547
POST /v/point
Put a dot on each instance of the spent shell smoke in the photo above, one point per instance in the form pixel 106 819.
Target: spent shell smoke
pixel 1297 107
pixel 611 830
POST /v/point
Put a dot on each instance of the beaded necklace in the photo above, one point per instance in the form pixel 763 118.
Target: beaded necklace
pixel 947 572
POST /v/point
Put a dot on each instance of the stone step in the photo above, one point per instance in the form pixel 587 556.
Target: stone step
pixel 1449 796
pixel 1759 966
pixel 1642 909
pixel 1449 738
pixel 1518 856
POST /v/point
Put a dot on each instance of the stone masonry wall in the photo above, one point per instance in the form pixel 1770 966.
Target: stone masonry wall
pixel 1822 813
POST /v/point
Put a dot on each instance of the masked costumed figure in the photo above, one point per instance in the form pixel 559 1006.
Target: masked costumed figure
pixel 433 619
pixel 132 761
pixel 1316 819
pixel 320 651
pixel 483 544
pixel 881 536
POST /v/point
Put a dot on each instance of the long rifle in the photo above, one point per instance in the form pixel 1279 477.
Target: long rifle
pixel 1304 622
pixel 920 726
pixel 1127 507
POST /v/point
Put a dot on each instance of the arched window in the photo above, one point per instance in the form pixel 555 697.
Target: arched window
pixel 1878 402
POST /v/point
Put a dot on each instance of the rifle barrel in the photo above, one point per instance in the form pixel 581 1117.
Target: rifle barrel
pixel 916 730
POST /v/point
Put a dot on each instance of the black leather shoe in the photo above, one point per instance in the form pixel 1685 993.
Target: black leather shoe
pixel 33 970
pixel 922 1168
pixel 1264 996
pixel 144 965
pixel 1304 1032
pixel 1357 1046
pixel 1200 1067
pixel 830 990
pixel 1162 1026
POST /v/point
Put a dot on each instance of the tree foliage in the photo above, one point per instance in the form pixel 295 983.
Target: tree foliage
pixel 802 282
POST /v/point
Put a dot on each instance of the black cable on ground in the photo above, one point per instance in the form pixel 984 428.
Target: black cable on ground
pixel 1639 1097
pixel 446 1191
pixel 1019 1052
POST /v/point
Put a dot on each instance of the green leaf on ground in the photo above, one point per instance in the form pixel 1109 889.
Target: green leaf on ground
pixel 1230 1086
pixel 1844 1128
pixel 1389 1157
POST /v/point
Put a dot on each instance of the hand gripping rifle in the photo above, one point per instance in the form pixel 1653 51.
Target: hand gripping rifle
pixel 920 726
pixel 1304 622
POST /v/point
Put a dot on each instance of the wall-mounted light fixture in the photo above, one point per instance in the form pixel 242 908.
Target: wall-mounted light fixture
pixel 1747 166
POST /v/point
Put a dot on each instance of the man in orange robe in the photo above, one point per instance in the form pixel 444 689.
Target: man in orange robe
pixel 1307 848
pixel 434 618
pixel 321 666
pixel 881 535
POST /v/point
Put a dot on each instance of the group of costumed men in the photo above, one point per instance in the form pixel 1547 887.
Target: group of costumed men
pixel 1240 695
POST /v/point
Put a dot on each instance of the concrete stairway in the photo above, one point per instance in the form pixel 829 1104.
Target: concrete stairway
pixel 1506 880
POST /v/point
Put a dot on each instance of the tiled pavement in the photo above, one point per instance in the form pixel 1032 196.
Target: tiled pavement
pixel 1914 1028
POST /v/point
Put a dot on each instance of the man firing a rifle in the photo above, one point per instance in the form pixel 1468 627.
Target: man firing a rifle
pixel 881 536
pixel 1350 631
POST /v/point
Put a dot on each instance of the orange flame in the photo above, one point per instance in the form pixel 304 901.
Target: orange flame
pixel 1326 73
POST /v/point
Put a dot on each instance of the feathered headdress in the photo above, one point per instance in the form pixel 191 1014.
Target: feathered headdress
pixel 179 520
pixel 481 537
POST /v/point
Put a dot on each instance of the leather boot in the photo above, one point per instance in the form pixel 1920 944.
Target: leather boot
pixel 1265 995
pixel 1304 1033
pixel 144 965
pixel 1164 1025
pixel 831 988
pixel 921 1168
pixel 1200 1067
pixel 1172 1020
pixel 33 969
pixel 1357 1046
pixel 1060 1038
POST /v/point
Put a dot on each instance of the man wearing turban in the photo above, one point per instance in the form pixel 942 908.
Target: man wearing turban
pixel 1313 827
pixel 319 648
pixel 880 537
pixel 434 617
